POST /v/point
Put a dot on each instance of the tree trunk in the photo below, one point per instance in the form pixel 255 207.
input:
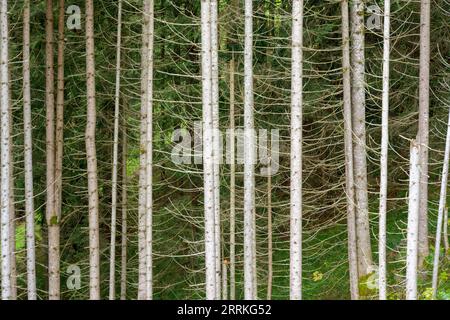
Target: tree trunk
pixel 28 157
pixel 441 211
pixel 348 133
pixel 55 141
pixel 224 280
pixel 94 250
pixel 359 129
pixel 249 159
pixel 216 137
pixel 413 223
pixel 208 155
pixel 12 211
pixel 143 162
pixel 123 276
pixel 382 268
pixel 224 273
pixel 424 93
pixel 445 231
pixel 59 139
pixel 232 186
pixel 296 151
pixel 59 111
pixel 112 257
pixel 52 216
pixel 5 154
pixel 269 232
pixel 149 20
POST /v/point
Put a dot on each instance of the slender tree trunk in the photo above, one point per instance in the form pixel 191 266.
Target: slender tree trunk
pixel 5 154
pixel 59 111
pixel 253 137
pixel 296 151
pixel 359 129
pixel 208 155
pixel 441 211
pixel 225 281
pixel 112 258
pixel 12 212
pixel 413 223
pixel 348 133
pixel 149 149
pixel 216 136
pixel 424 97
pixel 382 282
pixel 232 187
pixel 142 160
pixel 28 155
pixel 445 231
pixel 224 276
pixel 123 276
pixel 52 216
pixel 94 250
pixel 269 232
pixel 269 53
pixel 59 140
pixel 249 158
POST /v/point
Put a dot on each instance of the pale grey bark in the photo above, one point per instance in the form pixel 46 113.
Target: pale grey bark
pixel 382 268
pixel 143 161
pixel 216 137
pixel 208 155
pixel 224 274
pixel 348 141
pixel 359 130
pixel 5 187
pixel 249 159
pixel 445 231
pixel 112 257
pixel 149 20
pixel 296 151
pixel 441 211
pixel 232 185
pixel 28 157
pixel 424 97
pixel 94 249
pixel 413 222
pixel 269 231
pixel 12 211
pixel 269 53
pixel 123 276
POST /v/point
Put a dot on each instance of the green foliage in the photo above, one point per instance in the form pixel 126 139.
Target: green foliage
pixel 54 220
pixel 368 286
pixel 21 238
